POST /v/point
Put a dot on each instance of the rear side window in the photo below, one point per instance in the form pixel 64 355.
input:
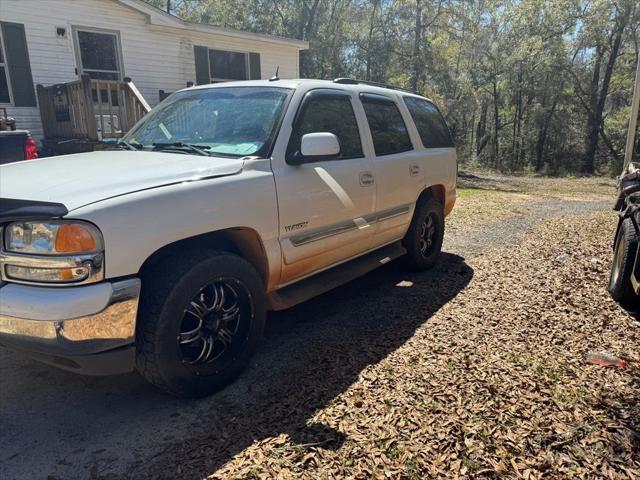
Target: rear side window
pixel 429 122
pixel 328 112
pixel 386 124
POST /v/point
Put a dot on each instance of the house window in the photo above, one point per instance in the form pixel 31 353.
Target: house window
pixel 5 96
pixel 214 66
pixel 99 54
pixel 227 66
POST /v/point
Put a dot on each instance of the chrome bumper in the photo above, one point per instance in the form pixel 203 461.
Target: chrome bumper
pixel 66 326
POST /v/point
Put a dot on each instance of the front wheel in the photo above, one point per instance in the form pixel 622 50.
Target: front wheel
pixel 201 318
pixel 423 240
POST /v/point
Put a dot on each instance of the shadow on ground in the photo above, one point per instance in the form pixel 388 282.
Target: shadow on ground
pixel 59 425
pixel 320 347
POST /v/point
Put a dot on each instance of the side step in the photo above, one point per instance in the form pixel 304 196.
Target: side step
pixel 334 277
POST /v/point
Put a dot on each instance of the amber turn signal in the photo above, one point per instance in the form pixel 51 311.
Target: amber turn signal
pixel 74 238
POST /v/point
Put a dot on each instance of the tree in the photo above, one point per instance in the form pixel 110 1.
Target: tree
pixel 525 85
pixel 598 91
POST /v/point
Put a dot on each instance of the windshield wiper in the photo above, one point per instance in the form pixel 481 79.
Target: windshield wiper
pixel 199 149
pixel 129 146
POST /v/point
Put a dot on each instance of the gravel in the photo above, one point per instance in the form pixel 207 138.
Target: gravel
pixel 516 225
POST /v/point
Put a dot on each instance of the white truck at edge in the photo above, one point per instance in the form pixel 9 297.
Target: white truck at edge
pixel 198 235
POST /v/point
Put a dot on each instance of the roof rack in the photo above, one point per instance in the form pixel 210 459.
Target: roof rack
pixel 354 81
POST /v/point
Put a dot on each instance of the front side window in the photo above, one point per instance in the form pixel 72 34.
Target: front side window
pixel 388 130
pixel 4 77
pixel 327 112
pixel 232 121
pixel 429 122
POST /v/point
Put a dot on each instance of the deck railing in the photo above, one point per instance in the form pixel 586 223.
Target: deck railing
pixel 90 109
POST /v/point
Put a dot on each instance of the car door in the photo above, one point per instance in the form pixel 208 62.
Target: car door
pixel 398 166
pixel 322 203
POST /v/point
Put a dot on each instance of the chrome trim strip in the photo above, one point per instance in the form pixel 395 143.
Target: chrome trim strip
pixel 348 225
pixel 324 232
pixel 387 214
pixel 110 328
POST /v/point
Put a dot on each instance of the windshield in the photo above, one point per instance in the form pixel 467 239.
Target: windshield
pixel 230 121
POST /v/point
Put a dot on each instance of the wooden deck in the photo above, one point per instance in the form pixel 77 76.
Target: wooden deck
pixel 89 109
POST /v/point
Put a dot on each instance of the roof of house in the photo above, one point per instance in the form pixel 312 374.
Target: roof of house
pixel 156 16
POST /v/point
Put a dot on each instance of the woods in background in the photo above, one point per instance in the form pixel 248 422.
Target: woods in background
pixel 532 85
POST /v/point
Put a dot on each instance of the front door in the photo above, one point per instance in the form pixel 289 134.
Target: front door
pixel 323 204
pixel 98 55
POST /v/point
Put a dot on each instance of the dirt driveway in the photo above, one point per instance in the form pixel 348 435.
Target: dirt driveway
pixel 474 369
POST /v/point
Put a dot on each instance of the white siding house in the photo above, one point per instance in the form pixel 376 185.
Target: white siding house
pixel 54 41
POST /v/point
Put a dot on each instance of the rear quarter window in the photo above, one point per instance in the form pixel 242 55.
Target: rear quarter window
pixel 432 128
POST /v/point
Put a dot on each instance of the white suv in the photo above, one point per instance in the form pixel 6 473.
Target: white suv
pixel 223 202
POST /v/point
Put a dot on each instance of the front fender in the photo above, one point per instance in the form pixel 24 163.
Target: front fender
pixel 136 225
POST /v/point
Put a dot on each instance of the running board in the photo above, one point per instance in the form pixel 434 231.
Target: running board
pixel 334 277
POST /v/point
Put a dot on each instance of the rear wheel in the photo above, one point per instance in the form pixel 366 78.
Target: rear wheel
pixel 423 240
pixel 201 318
pixel 624 253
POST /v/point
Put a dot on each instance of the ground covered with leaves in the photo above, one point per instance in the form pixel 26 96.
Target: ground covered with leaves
pixel 475 369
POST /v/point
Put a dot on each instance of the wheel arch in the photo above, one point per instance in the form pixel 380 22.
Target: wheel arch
pixel 437 192
pixel 242 241
pixel 615 237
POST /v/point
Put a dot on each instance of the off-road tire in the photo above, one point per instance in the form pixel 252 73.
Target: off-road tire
pixel 166 290
pixel 624 253
pixel 417 258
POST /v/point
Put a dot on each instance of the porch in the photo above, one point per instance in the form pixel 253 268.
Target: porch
pixel 81 115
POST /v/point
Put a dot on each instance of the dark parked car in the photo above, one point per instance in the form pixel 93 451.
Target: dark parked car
pixel 15 145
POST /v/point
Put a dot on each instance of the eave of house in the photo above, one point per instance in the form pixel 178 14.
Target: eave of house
pixel 155 16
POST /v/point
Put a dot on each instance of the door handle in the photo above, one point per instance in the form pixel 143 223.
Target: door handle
pixel 366 179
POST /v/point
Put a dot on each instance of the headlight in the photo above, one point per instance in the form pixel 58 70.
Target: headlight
pixel 52 238
pixel 57 251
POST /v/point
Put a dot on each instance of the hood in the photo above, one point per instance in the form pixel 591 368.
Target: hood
pixel 77 180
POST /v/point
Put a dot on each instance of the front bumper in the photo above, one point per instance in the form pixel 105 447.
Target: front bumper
pixel 88 329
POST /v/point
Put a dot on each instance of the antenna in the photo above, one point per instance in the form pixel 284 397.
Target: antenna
pixel 275 77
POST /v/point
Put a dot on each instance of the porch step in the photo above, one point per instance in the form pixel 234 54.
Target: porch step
pixel 334 277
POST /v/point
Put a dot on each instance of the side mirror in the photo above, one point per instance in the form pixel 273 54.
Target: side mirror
pixel 317 146
pixel 322 144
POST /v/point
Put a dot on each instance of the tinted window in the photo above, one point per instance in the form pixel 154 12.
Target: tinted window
pixel 328 113
pixel 430 124
pixel 387 126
